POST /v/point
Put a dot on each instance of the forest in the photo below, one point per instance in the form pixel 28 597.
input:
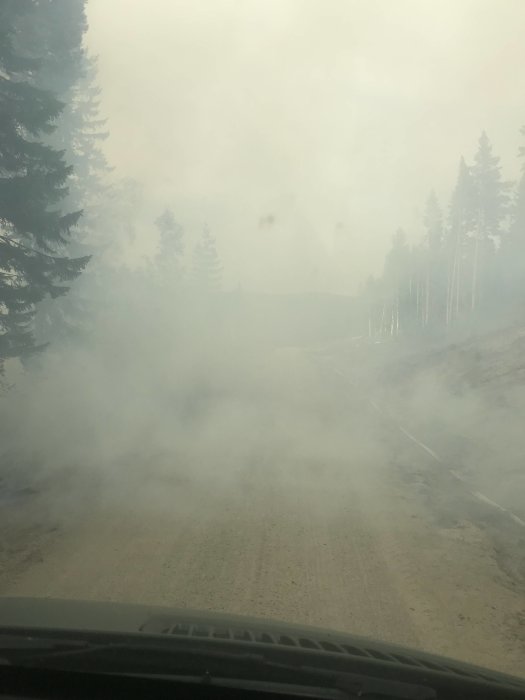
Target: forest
pixel 467 270
pixel 66 220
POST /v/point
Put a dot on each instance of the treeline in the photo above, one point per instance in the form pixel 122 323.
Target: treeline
pixel 51 165
pixel 469 265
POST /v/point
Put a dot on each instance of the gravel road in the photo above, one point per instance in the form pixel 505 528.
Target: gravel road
pixel 336 529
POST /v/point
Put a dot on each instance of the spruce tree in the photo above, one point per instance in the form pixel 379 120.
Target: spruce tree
pixel 53 35
pixel 34 231
pixel 461 224
pixel 397 280
pixel 491 202
pixel 171 248
pixel 207 268
pixel 511 268
pixel 433 274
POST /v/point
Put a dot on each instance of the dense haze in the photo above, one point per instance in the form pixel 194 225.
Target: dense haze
pixel 241 170
pixel 336 118
pixel 254 306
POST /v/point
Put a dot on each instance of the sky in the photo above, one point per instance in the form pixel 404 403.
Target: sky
pixel 304 132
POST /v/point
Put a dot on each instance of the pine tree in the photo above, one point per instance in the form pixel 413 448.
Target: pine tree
pixel 461 223
pixel 374 304
pixel 53 35
pixel 491 202
pixel 455 276
pixel 433 221
pixel 433 273
pixel 511 266
pixel 34 232
pixel 398 281
pixel 171 247
pixel 80 132
pixel 207 268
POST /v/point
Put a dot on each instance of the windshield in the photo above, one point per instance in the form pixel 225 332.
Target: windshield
pixel 262 327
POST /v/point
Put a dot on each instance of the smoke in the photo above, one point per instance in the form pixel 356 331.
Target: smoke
pixel 259 406
pixel 170 387
pixel 348 113
pixel 465 401
pixel 303 135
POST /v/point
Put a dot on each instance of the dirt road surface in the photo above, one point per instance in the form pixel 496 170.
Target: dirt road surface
pixel 348 527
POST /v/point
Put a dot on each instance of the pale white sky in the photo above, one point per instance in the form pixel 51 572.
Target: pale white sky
pixel 334 116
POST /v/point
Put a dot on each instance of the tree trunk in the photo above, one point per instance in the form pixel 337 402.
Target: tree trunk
pixel 475 271
pixel 448 308
pixel 473 299
pixel 427 296
pixel 458 281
